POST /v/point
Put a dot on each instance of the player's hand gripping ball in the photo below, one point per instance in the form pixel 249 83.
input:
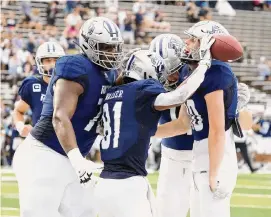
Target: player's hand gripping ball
pixel 226 48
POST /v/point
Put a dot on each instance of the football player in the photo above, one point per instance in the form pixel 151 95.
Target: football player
pixel 33 88
pixel 213 112
pixel 130 117
pixel 51 159
pixel 173 188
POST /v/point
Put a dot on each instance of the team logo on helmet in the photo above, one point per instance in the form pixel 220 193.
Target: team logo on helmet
pixel 157 64
pixel 215 30
pixel 89 32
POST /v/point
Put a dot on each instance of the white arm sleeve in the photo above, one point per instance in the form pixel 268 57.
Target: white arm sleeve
pixel 185 90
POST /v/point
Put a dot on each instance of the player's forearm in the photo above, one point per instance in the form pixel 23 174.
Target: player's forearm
pixel 183 92
pixel 17 116
pixel 64 131
pixel 245 119
pixel 216 142
pixel 170 129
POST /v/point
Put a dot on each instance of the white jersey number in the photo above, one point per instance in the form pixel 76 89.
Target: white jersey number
pixel 107 127
pixel 196 119
pixel 173 116
pixel 95 119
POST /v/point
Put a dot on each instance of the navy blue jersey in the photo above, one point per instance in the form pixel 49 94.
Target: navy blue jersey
pixel 218 77
pixel 80 69
pixel 32 91
pixel 129 121
pixel 182 142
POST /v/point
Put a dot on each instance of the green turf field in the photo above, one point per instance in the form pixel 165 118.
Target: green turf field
pixel 251 198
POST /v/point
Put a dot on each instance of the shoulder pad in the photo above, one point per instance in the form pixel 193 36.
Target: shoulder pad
pixel 72 66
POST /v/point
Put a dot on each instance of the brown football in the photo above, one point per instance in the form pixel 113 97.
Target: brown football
pixel 226 48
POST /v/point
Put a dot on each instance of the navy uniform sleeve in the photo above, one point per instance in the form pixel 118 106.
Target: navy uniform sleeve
pixel 24 91
pixel 73 68
pixel 218 77
pixel 147 93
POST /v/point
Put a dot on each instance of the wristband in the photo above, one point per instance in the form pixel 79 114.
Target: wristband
pixel 19 126
pixel 75 156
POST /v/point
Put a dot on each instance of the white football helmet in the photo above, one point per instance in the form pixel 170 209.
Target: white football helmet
pixel 197 31
pixel 169 47
pixel 100 39
pixel 144 64
pixel 48 50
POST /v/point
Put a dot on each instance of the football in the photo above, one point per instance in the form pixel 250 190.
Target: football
pixel 226 48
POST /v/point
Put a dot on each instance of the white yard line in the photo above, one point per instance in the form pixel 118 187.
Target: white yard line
pixel 11 195
pixel 251 195
pixel 9 216
pixel 10 209
pixel 251 206
pixel 253 187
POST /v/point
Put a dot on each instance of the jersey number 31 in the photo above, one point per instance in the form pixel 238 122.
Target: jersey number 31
pixel 109 119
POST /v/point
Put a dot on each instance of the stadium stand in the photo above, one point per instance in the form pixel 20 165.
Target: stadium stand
pixel 252 28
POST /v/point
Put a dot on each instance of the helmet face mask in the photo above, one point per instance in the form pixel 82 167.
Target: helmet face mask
pixel 172 81
pixel 190 51
pixel 47 69
pixel 108 55
pixel 48 50
pixel 100 39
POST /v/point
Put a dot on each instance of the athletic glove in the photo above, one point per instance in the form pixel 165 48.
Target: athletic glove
pixel 243 96
pixel 84 168
pixel 205 54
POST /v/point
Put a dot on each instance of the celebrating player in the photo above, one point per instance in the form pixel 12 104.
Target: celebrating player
pixel 212 109
pixel 173 188
pixel 130 116
pixel 48 182
pixel 33 88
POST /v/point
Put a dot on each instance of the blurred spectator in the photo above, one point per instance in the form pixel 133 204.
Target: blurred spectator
pixel 5 53
pixel 122 15
pixel 160 23
pixel 128 34
pixel 18 41
pixel 68 39
pixel 51 15
pixel 204 14
pixel 3 22
pixel 139 5
pixel 263 68
pixel 99 11
pixel 192 12
pixel 31 45
pixel 27 68
pixel 14 64
pixel 84 9
pixel 247 55
pixel 74 21
pixel 11 22
pixel 224 8
pixel 70 5
pixel 112 14
pixel 26 8
pixel 35 22
pixel 258 5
